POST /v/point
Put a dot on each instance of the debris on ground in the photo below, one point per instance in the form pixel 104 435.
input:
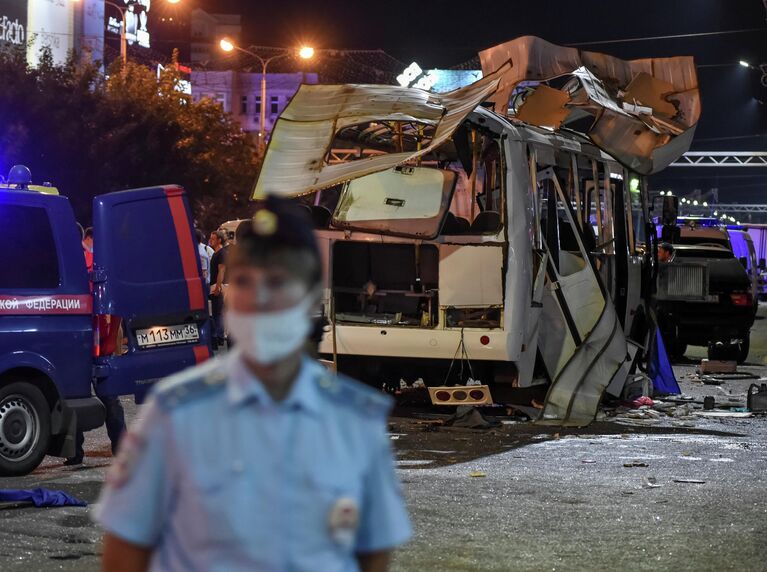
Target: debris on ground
pixel 635 464
pixel 690 481
pixel 39 497
pixel 651 483
pixel 471 418
pixel 476 474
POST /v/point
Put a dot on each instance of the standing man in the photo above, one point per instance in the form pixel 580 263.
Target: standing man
pixel 260 460
pixel 88 248
pixel 218 241
pixel 204 254
pixel 115 414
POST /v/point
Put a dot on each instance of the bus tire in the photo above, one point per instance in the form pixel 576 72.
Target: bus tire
pixel 25 428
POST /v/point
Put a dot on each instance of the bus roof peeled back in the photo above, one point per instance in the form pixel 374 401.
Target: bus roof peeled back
pixel 643 112
pixel 295 161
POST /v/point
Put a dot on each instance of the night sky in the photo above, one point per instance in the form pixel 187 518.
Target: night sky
pixel 446 33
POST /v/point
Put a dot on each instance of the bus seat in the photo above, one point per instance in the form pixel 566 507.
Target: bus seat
pixel 321 217
pixel 486 222
pixel 451 226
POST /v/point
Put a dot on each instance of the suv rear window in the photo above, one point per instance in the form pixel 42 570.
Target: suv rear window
pixel 29 260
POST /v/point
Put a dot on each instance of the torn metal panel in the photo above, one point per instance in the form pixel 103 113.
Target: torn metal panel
pixel 483 263
pixel 295 161
pixel 644 111
pixel 545 107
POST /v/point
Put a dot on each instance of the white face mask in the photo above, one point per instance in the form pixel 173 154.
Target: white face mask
pixel 270 336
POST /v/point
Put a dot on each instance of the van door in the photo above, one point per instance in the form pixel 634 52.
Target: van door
pixel 150 300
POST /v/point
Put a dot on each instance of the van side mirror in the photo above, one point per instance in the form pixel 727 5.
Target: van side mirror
pixel 670 210
pixel 762 264
pixel 744 262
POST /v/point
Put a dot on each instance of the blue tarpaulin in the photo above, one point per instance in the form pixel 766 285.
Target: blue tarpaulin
pixel 660 370
pixel 40 497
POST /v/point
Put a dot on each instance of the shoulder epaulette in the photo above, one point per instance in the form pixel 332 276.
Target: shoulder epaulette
pixel 348 392
pixel 191 383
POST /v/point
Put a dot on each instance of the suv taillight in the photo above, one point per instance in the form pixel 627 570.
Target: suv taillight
pixel 742 298
pixel 108 338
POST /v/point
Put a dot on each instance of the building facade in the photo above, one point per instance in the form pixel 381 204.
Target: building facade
pixel 207 29
pixel 240 94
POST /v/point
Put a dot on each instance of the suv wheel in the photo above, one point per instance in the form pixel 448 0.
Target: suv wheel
pixel 25 428
pixel 743 348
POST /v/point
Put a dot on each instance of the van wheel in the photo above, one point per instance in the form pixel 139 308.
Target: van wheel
pixel 743 348
pixel 25 428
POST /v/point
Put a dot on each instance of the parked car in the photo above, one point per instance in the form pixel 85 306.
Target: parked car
pixel 139 316
pixel 705 297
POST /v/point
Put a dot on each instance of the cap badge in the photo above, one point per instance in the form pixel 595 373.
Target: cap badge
pixel 265 223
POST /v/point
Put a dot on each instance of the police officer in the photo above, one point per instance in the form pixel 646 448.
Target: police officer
pixel 259 460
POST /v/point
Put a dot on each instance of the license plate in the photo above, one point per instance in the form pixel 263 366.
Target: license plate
pixel 167 336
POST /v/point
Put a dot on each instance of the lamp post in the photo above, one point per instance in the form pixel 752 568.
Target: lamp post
pixel 304 52
pixel 124 28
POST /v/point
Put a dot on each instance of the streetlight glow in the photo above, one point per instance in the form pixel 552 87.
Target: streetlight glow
pixel 306 52
pixel 226 44
pixel 744 63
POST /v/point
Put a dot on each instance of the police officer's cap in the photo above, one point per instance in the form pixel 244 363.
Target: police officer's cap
pixel 280 223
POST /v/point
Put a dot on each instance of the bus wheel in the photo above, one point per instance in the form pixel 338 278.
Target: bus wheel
pixel 25 428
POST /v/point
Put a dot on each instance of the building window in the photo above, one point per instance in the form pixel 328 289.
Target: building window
pixel 244 105
pixel 257 109
pixel 274 105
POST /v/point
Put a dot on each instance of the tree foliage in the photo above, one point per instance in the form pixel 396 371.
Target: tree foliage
pixel 90 134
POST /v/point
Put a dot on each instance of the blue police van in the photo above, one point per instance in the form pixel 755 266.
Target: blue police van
pixel 67 335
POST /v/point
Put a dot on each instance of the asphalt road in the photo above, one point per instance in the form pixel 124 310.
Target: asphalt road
pixel 540 498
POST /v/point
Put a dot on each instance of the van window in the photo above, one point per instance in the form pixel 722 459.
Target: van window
pixel 30 260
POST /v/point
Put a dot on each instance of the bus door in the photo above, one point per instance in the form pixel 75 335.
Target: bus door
pixel 581 340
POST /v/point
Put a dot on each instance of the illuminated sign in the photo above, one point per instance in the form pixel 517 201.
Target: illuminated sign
pixel 13 22
pixel 182 85
pixel 438 81
pixel 136 20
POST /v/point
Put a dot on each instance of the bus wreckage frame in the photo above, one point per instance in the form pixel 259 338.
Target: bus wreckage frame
pixel 517 238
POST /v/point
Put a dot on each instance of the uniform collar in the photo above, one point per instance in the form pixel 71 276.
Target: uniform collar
pixel 243 386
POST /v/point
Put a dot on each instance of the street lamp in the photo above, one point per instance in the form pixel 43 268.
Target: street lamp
pixel 305 52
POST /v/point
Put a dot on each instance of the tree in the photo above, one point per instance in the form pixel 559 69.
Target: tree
pixel 89 134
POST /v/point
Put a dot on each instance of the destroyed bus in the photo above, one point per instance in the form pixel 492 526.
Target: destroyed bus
pixel 497 235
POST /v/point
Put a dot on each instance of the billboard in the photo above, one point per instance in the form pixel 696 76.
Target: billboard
pixel 50 24
pixel 136 19
pixel 13 22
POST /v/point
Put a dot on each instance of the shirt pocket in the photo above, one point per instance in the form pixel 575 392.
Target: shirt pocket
pixel 215 498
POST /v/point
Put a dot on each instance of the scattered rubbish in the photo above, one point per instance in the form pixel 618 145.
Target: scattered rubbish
pixel 476 474
pixel 723 413
pixel 635 464
pixel 640 401
pixel 40 497
pixel 627 493
pixel 651 483
pixel 690 481
pixel 757 400
pixel 708 402
pixel 588 461
pixel 471 418
pixel 717 366
pixel 393 437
